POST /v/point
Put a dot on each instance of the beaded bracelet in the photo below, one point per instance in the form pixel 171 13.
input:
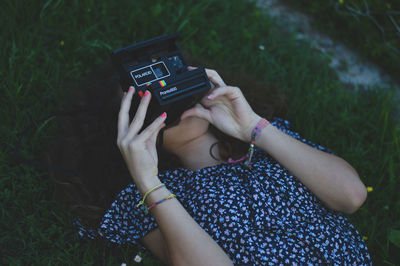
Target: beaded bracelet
pixel 161 201
pixel 254 135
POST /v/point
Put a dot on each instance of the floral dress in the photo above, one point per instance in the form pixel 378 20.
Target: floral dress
pixel 262 216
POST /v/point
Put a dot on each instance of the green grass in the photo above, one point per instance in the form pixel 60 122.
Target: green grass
pixel 357 125
pixel 370 27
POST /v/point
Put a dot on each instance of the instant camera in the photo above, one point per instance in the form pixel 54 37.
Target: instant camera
pixel 157 65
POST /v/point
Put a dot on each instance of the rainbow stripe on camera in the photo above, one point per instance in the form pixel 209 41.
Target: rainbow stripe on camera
pixel 162 83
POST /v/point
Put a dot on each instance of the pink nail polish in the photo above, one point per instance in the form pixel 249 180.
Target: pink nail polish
pixel 140 94
pixel 147 93
pixel 164 114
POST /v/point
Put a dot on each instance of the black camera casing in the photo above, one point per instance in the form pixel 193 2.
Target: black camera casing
pixel 157 65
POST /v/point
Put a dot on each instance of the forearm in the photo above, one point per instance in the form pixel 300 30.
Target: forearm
pixel 330 178
pixel 187 242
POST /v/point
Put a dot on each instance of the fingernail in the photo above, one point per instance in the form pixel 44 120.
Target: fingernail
pixel 164 114
pixel 147 93
pixel 130 88
pixel 210 96
pixel 140 94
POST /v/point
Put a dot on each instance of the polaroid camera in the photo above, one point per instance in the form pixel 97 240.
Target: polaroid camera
pixel 157 65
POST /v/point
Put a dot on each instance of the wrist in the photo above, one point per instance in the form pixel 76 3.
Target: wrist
pixel 146 184
pixel 247 132
pixel 264 137
pixel 157 195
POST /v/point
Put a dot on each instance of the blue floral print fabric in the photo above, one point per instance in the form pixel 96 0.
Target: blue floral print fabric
pixel 262 216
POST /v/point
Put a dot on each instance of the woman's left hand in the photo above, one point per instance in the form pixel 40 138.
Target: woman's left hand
pixel 139 150
pixel 227 109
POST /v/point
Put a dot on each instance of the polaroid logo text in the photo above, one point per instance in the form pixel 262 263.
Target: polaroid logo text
pixel 168 91
pixel 143 74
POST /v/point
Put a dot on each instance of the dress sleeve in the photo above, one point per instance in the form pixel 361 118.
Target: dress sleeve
pixel 284 126
pixel 84 231
pixel 123 221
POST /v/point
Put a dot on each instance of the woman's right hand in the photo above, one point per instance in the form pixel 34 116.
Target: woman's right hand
pixel 226 108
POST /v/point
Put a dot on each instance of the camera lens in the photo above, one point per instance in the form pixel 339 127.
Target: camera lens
pixel 176 62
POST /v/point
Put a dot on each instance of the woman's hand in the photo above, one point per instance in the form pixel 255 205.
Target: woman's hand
pixel 139 150
pixel 226 108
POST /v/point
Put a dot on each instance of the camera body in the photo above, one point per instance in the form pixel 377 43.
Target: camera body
pixel 157 65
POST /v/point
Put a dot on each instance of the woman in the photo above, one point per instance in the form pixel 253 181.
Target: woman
pixel 284 209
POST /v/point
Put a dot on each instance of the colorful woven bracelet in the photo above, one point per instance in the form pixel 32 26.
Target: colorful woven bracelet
pixel 254 135
pixel 161 201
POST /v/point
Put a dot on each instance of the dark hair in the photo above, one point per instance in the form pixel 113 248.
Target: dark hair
pixel 87 142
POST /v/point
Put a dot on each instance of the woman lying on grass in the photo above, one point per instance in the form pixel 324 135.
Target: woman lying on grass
pixel 282 205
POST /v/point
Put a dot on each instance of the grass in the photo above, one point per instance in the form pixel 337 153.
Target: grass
pixel 371 27
pixel 45 43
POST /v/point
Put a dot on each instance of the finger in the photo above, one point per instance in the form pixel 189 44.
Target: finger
pixel 152 144
pixel 123 116
pixel 191 68
pixel 206 102
pixel 230 92
pixel 197 111
pixel 155 134
pixel 215 77
pixel 138 120
pixel 155 126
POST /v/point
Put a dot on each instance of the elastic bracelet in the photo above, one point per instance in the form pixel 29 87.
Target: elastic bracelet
pixel 148 192
pixel 161 201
